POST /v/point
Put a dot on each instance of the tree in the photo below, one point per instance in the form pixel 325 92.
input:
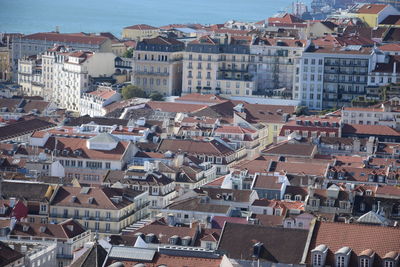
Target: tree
pixel 131 91
pixel 128 53
pixel 156 96
pixel 301 110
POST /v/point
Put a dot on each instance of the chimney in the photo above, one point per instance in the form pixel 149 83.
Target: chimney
pixel 394 67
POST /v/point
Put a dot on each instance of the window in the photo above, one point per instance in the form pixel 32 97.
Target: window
pixel 389 263
pixel 364 262
pixel 317 260
pixel 108 215
pixel 97 226
pixel 108 165
pixel 87 214
pixel 340 261
pixel 107 227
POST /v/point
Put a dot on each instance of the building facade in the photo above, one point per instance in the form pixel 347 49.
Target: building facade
pixel 158 65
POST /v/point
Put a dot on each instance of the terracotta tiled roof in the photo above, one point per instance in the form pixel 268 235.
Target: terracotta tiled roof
pixel 163 232
pixel 219 221
pixel 390 47
pixel 141 27
pixel 105 94
pixel 73 144
pixel 23 127
pixel 281 245
pixel 371 8
pixel 288 149
pixel 9 256
pixel 369 129
pixel 358 237
pixel 267 182
pixel 67 38
pixel 63 230
pixel 195 204
pixel 100 198
pixel 195 147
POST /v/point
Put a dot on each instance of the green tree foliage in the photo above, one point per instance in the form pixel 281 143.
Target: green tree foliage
pixel 156 96
pixel 131 91
pixel 128 53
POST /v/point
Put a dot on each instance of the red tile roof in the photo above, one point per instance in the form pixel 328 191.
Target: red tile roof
pixel 369 129
pixel 371 8
pixel 141 27
pixel 67 37
pixel 105 94
pixel 72 144
pixel 390 47
pixel 356 236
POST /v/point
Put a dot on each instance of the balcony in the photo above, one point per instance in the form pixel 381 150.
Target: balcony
pixel 94 218
pixel 64 256
pixel 154 73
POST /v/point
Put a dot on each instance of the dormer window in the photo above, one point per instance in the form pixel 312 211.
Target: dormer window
pixel 368 192
pixel 364 262
pixel 391 259
pixel 297 197
pixel 317 260
pixel 342 257
pixel 257 248
pixel 366 258
pixel 319 255
pixel 287 196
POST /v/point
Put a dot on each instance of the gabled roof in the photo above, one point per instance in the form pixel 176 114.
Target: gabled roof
pixel 64 230
pixel 79 38
pixel 26 191
pixel 8 255
pixel 358 237
pixel 289 149
pixel 369 130
pixel 372 217
pixel 23 127
pixel 391 20
pixel 95 256
pixel 279 245
pixel 197 205
pixel 141 27
pixel 93 197
pixel 371 8
pixel 212 147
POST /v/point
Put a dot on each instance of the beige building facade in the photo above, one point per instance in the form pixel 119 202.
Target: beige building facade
pixel 158 66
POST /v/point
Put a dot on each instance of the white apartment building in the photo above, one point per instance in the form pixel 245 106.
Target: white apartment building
pixel 328 77
pixel 69 74
pixel 385 72
pixel 273 63
pixel 212 66
pixel 387 114
pixel 88 160
pixel 37 43
pixel 93 103
pixel 30 76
